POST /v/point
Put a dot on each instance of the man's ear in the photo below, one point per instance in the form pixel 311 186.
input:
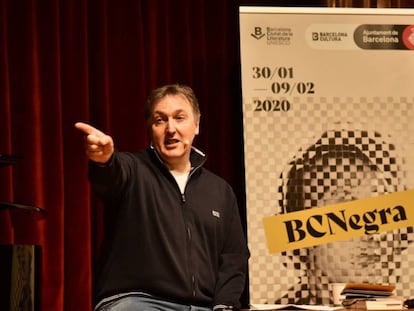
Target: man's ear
pixel 197 129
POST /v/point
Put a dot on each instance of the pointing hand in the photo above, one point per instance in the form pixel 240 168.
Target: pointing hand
pixel 99 147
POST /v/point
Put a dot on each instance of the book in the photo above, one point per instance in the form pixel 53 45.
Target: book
pixel 393 303
pixel 269 307
pixel 365 290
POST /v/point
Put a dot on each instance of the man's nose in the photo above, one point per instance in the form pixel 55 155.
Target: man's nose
pixel 171 126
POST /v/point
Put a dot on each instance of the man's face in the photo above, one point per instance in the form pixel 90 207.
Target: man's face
pixel 173 128
pixel 339 180
pixel 357 260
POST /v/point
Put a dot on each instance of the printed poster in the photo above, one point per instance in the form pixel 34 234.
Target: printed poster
pixel 328 98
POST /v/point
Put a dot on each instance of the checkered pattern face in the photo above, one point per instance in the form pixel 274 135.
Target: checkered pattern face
pixel 341 166
pixel 324 151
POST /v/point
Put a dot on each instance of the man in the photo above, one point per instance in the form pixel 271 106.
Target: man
pixel 176 241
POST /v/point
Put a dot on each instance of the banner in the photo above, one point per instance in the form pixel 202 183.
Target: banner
pixel 328 102
pixel 339 222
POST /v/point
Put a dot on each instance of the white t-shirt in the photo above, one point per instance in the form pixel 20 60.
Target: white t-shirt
pixel 181 179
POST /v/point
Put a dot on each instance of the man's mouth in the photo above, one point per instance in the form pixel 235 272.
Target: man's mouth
pixel 171 141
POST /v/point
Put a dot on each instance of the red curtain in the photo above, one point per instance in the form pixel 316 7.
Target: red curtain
pixel 95 61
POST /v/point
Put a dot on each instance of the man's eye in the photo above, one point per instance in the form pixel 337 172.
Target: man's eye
pixel 180 117
pixel 158 120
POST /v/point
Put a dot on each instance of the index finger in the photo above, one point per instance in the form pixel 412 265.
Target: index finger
pixel 88 129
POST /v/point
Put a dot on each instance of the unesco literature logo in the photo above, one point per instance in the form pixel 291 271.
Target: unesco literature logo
pixel 273 35
pixel 257 33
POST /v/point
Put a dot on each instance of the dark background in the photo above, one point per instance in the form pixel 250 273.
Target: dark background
pixel 96 61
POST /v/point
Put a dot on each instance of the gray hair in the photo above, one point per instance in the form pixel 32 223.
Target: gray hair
pixel 171 89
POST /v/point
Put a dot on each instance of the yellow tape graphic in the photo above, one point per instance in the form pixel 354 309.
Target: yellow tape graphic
pixel 339 222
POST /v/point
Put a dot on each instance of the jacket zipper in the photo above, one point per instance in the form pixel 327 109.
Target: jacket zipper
pixel 183 200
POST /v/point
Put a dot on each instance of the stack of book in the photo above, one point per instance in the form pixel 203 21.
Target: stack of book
pixel 375 296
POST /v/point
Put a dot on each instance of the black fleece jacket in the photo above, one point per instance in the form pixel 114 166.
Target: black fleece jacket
pixel 187 248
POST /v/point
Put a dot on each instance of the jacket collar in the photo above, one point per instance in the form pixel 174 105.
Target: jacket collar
pixel 197 157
